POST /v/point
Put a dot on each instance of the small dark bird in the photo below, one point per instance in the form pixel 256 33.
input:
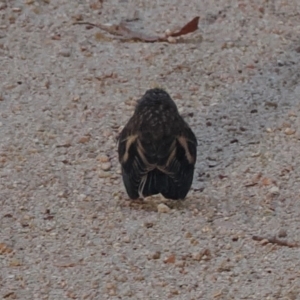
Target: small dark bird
pixel 157 149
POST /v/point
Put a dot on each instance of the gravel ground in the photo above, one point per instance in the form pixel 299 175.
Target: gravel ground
pixel 67 230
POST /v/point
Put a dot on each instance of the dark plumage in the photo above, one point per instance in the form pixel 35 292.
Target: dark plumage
pixel 157 149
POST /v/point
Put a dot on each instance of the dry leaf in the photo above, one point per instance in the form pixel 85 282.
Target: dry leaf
pixel 188 28
pixel 125 33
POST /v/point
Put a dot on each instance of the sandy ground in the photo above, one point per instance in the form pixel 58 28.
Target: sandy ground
pixel 66 229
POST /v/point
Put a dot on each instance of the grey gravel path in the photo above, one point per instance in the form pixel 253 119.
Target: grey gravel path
pixel 66 229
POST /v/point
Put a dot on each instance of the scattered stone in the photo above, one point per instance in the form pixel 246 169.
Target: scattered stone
pixel 3 6
pixel 126 239
pixel 103 158
pixel 180 264
pixel 168 32
pixel 289 131
pixel 15 263
pixel 110 286
pixel 264 242
pixel 292 113
pixel 84 139
pixel 282 233
pixel 170 259
pixel 139 278
pixel 16 9
pixel 82 197
pixel 106 166
pixel 127 292
pixel 104 174
pixel 266 181
pixel 162 208
pixel 188 235
pixel 5 249
pixel 197 256
pixel 148 224
pixel 76 98
pixel 25 221
pixel 274 190
pixel 154 255
pixel 171 40
pixel 63 194
pixel 65 52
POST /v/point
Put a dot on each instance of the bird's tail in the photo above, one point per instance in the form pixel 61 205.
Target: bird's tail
pixel 156 182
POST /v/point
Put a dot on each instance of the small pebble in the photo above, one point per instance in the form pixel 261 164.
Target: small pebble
pixel 282 233
pixel 65 52
pixel 103 158
pixel 292 113
pixel 84 139
pixel 76 99
pixel 106 166
pixel 126 239
pixel 82 197
pixel 264 242
pixel 104 174
pixel 16 9
pixel 289 131
pixel 127 292
pixel 170 259
pixel 162 208
pixel 154 255
pixel 168 32
pixel 180 264
pixel 15 263
pixel 274 190
pixel 197 256
pixel 110 286
pixel 171 40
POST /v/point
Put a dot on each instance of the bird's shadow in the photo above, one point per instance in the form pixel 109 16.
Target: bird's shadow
pixel 151 204
pixel 231 130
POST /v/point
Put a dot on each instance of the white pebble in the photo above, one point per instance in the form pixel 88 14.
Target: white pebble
pixel 162 208
pixel 103 158
pixel 106 166
pixel 274 190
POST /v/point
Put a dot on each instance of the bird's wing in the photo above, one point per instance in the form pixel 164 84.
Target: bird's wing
pixel 179 167
pixel 134 162
pixel 182 156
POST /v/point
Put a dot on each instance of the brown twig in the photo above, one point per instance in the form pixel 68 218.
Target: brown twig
pixel 275 240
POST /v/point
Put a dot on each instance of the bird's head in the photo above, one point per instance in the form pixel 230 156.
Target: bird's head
pixel 156 99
